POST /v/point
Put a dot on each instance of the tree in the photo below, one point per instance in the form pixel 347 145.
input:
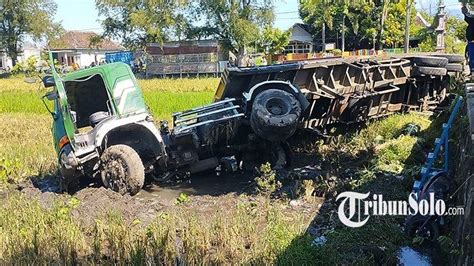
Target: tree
pixel 237 23
pixel 319 13
pixel 330 18
pixel 138 22
pixel 21 18
pixel 362 21
pixel 394 29
pixel 274 40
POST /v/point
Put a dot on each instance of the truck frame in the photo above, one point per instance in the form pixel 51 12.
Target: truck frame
pixel 102 126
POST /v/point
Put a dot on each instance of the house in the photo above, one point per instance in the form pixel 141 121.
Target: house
pixel 301 40
pixel 178 58
pixel 77 47
pixel 28 49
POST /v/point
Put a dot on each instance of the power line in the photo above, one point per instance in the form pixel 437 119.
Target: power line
pixel 286 12
pixel 287 18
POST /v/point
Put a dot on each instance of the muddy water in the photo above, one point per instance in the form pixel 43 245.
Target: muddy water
pixel 207 183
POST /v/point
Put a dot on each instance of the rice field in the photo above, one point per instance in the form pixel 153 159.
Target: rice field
pixel 163 96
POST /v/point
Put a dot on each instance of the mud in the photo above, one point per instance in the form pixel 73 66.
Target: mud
pixel 206 191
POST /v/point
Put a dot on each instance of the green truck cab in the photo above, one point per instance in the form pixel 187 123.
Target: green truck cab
pixel 96 109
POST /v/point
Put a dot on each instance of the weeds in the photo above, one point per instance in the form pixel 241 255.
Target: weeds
pixel 266 181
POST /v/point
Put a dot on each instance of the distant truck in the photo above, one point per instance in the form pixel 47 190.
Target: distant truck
pixel 102 127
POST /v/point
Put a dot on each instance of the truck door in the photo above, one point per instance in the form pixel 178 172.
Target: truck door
pixel 64 107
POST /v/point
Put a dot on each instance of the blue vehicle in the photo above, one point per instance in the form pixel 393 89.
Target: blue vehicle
pixel 124 57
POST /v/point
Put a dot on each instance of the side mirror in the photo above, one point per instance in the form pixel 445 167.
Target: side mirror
pixel 48 81
pixel 51 95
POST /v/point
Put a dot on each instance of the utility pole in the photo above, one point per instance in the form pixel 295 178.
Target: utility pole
pixel 407 28
pixel 323 33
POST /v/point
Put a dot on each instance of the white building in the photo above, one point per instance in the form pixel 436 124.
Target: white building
pixel 28 49
pixel 301 41
pixel 75 47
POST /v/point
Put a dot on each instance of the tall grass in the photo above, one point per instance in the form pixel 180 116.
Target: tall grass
pixel 246 233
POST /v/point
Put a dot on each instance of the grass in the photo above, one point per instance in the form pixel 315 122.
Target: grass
pixel 26 139
pixel 248 233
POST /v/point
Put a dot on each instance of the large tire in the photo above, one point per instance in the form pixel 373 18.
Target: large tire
pixel 454 67
pixel 275 115
pixel 429 71
pixel 452 58
pixel 430 61
pixel 122 169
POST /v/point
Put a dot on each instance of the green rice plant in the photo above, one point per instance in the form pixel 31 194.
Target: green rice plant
pixel 26 142
pixel 162 96
pixel 33 235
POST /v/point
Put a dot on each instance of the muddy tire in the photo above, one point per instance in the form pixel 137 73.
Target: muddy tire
pixel 454 67
pixel 428 71
pixel 122 170
pixel 452 58
pixel 275 115
pixel 430 61
pixel 422 226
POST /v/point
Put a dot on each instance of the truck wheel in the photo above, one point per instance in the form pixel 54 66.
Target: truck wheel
pixel 122 169
pixel 275 115
pixel 430 61
pixel 452 58
pixel 453 67
pixel 429 71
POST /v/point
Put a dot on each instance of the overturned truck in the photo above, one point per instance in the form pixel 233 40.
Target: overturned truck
pixel 102 127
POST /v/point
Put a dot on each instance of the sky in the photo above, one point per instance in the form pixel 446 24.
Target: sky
pixel 82 15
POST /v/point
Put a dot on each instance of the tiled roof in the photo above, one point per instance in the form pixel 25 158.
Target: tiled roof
pixel 82 40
